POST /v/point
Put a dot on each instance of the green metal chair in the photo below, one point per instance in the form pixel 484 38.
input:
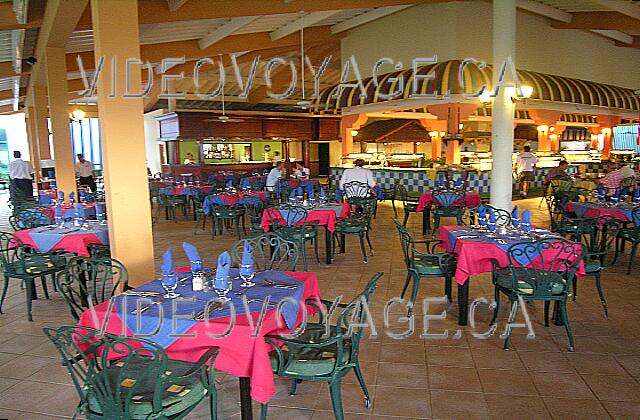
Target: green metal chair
pixel 598 245
pixel 91 281
pixel 448 204
pixel 537 271
pixel 429 264
pixel 290 222
pixel 130 378
pixel 390 194
pixel 226 217
pixel 99 251
pixel 410 201
pixel 254 212
pixel 358 223
pixel 629 234
pixel 18 263
pixel 318 356
pixel 574 227
pixel 270 252
pixel 29 219
pixel 170 203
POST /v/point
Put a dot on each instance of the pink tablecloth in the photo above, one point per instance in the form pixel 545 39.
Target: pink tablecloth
pixel 470 200
pixel 231 199
pixel 326 218
pixel 474 257
pixel 597 211
pixel 240 354
pixel 76 242
pixel 50 210
pixel 181 190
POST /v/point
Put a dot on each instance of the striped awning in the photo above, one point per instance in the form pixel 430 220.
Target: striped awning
pixel 625 137
pixel 545 87
pixel 579 118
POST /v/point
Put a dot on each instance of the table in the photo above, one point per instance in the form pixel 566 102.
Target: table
pixel 325 215
pixel 241 354
pixel 89 210
pixel 231 199
pixel 476 254
pixel 250 181
pixel 307 184
pixel 426 201
pixel 622 212
pixel 185 190
pixel 69 239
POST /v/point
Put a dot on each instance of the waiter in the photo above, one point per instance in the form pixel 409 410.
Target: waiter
pixel 20 173
pixel 84 170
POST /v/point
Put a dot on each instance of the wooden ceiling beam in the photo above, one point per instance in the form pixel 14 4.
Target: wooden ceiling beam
pixel 627 8
pixel 225 30
pixel 367 17
pixel 634 44
pixel 303 21
pixel 600 20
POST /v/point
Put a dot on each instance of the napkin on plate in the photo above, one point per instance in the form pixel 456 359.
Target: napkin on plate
pixel 72 196
pixel 515 219
pixel 230 183
pixel 61 195
pixel 482 215
pixel 323 195
pixel 247 255
pixel 79 210
pixel 601 191
pixel 459 183
pixel 293 193
pixel 191 251
pixel 58 213
pixel 224 263
pixel 299 192
pixel 100 211
pixel 167 262
pixel 492 216
pixel 526 218
pixel 312 194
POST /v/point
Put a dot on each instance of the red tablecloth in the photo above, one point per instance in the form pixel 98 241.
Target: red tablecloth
pixel 231 199
pixel 181 189
pixel 326 218
pixel 597 211
pixel 470 200
pixel 75 243
pixel 474 257
pixel 241 354
pixel 50 210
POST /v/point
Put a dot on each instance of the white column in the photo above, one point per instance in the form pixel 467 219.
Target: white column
pixel 504 46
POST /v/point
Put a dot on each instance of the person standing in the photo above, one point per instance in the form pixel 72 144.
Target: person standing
pixel 20 174
pixel 524 167
pixel 84 170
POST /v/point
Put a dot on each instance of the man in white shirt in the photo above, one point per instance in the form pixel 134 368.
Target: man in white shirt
pixel 84 170
pixel 525 165
pixel 274 175
pixel 357 173
pixel 20 174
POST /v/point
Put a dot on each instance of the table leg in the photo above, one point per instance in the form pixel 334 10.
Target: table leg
pixel 426 221
pixel 328 238
pixel 246 406
pixel 463 303
pixel 343 244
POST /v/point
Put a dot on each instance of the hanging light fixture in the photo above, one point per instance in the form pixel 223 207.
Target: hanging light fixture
pixel 304 103
pixel 77 114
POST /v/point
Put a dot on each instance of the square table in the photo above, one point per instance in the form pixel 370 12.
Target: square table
pixel 622 211
pixel 69 238
pixel 326 215
pixel 68 210
pixel 427 201
pixel 243 352
pixel 476 252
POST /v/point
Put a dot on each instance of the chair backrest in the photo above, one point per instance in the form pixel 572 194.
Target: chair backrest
pixel 635 216
pixel 288 215
pixel 503 217
pixel 406 196
pixel 28 219
pixel 11 254
pixel 92 280
pixel 604 231
pixel 109 371
pixel 406 242
pixel 538 263
pixel 270 252
pixel 448 198
pixel 628 182
pixel 356 189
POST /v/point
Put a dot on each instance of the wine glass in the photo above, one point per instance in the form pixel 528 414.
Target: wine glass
pixel 247 274
pixel 169 283
pixel 222 286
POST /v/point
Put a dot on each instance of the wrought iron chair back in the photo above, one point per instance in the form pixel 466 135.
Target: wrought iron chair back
pixel 28 219
pixel 357 189
pixel 288 215
pixel 11 254
pixel 93 280
pixel 270 252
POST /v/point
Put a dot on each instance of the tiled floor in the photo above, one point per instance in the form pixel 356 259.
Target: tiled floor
pixel 454 377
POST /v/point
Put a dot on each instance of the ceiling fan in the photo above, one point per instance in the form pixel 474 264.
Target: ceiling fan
pixel 223 118
pixel 303 103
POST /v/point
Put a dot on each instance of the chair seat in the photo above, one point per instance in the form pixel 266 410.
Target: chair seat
pixel 351 225
pixel 312 361
pixel 178 397
pixel 37 264
pixel 630 234
pixel 427 265
pixel 592 265
pixel 503 279
pixel 448 210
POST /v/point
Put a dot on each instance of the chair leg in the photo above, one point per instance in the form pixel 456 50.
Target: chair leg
pixel 294 386
pixel 304 254
pixel 263 411
pixel 512 318
pixel 575 287
pixel 406 217
pixel 315 246
pixel 364 251
pixel 604 302
pixel 4 291
pixel 369 242
pixel 447 288
pixel 617 251
pixel 29 293
pixel 393 205
pixel 43 281
pixel 563 310
pixel 213 401
pixel 632 257
pixel 336 399
pixel 547 304
pixel 414 291
pixel 406 284
pixel 363 385
pixel 497 309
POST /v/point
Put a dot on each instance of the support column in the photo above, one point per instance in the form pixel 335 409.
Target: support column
pixel 436 130
pixel 305 152
pixel 32 140
pixel 545 119
pixel 116 35
pixel 453 114
pixel 607 122
pixel 347 124
pixel 40 115
pixel 55 60
pixel 504 46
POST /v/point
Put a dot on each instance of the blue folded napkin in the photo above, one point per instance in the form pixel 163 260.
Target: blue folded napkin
pixel 323 195
pixel 459 183
pixel 224 264
pixel 100 215
pixel 58 213
pixel 61 195
pixel 191 251
pixel 79 211
pixel 167 262
pixel 515 220
pixel 72 196
pixel 312 195
pixel 299 192
pixel 526 218
pixel 482 215
pixel 492 216
pixel 247 255
pixel 230 183
pixel 293 194
pixel 618 195
pixel 636 195
pixel 601 191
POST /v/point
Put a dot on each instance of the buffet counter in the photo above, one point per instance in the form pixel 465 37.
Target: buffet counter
pixel 422 179
pixel 204 170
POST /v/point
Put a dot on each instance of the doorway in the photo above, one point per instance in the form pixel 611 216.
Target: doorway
pixel 323 159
